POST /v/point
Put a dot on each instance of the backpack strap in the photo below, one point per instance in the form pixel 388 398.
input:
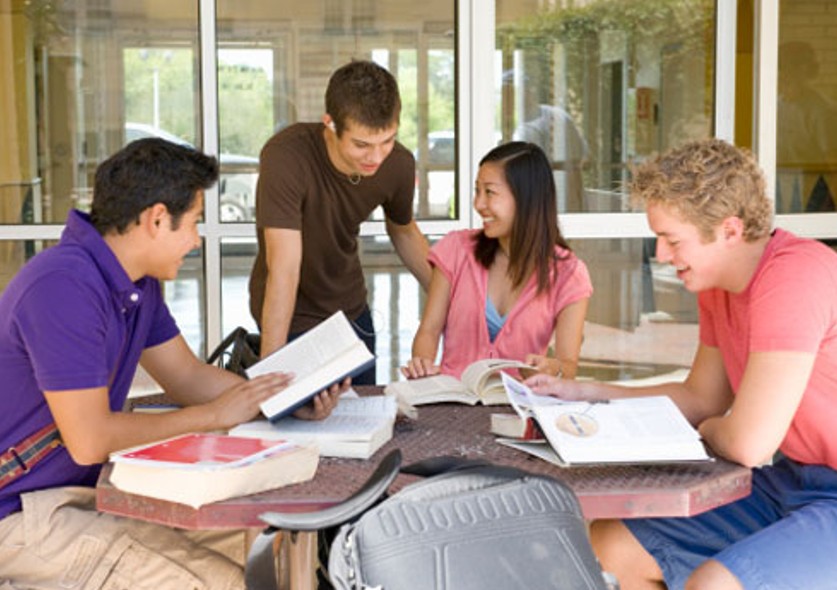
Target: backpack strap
pixel 442 464
pixel 217 355
pixel 371 492
pixel 18 459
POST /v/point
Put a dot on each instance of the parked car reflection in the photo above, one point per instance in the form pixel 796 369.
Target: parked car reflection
pixel 239 173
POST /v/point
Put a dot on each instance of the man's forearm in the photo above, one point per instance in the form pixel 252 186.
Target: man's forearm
pixel 412 247
pixel 277 312
pixel 284 257
pixel 91 431
pixel 724 441
pixel 204 383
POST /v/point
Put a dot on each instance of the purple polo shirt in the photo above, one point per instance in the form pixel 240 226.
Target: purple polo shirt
pixel 70 319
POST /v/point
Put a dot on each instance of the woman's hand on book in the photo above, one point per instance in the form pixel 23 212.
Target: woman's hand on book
pixel 418 367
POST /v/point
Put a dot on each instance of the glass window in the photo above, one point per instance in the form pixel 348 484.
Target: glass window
pixel 237 256
pixel 274 62
pixel 84 83
pixel 185 297
pixel 15 253
pixel 641 321
pixel 601 83
pixel 396 301
pixel 806 117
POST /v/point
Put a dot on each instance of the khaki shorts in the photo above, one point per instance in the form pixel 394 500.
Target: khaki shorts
pixel 59 540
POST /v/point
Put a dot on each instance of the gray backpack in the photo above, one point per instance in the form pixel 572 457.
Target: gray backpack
pixel 467 525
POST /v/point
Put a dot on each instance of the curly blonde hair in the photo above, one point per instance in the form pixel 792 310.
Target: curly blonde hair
pixel 705 182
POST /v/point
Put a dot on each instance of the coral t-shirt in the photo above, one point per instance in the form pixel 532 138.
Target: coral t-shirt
pixel 789 305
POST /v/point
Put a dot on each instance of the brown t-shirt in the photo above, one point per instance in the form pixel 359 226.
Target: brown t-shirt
pixel 299 188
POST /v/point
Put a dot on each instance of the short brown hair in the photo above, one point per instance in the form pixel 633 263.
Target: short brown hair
pixel 145 172
pixel 706 181
pixel 364 92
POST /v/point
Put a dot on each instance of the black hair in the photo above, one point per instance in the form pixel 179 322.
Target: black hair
pixel 364 92
pixel 535 231
pixel 146 172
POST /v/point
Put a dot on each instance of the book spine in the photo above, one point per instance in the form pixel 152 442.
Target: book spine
pixel 532 430
pixel 275 414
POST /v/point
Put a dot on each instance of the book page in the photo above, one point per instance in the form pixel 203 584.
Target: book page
pixel 333 368
pixel 540 449
pixel 352 419
pixel 431 390
pixel 317 347
pixel 523 399
pixel 624 430
pixel 334 427
pixel 492 392
pixel 367 406
pixel 324 355
pixel 481 377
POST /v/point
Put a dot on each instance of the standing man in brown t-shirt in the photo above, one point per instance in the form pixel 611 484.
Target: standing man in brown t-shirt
pixel 317 183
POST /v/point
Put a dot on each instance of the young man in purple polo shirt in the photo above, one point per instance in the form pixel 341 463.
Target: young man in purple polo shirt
pixel 74 324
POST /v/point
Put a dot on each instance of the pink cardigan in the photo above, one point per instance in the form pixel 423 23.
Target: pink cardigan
pixel 529 325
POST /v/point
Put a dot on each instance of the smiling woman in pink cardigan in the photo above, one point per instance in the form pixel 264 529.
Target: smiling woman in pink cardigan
pixel 512 288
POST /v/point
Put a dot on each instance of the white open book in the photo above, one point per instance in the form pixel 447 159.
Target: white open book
pixel 323 356
pixel 356 428
pixel 628 430
pixel 480 383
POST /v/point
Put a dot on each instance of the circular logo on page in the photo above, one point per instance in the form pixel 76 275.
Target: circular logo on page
pixel 577 424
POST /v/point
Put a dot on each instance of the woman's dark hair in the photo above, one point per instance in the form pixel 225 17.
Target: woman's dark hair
pixel 535 230
pixel 364 92
pixel 146 172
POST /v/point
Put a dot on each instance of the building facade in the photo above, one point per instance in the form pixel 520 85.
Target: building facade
pixel 599 84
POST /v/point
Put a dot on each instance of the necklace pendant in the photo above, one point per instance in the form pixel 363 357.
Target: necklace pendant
pixel 354 179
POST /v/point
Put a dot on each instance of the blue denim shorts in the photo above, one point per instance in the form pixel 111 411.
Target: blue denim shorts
pixel 782 536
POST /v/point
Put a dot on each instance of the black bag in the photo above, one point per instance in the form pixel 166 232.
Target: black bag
pixel 238 351
pixel 470 526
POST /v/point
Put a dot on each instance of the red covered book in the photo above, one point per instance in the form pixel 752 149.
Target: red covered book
pixel 201 468
pixel 514 426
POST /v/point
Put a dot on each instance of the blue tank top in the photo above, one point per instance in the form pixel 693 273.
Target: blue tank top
pixel 493 319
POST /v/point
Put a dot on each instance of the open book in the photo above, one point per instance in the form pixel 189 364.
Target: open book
pixel 480 383
pixel 629 430
pixel 323 356
pixel 526 428
pixel 200 468
pixel 356 428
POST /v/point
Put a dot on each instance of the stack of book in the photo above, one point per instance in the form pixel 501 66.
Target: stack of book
pixel 356 428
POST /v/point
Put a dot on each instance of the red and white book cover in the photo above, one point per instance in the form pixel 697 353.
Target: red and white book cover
pixel 203 450
pixel 200 468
